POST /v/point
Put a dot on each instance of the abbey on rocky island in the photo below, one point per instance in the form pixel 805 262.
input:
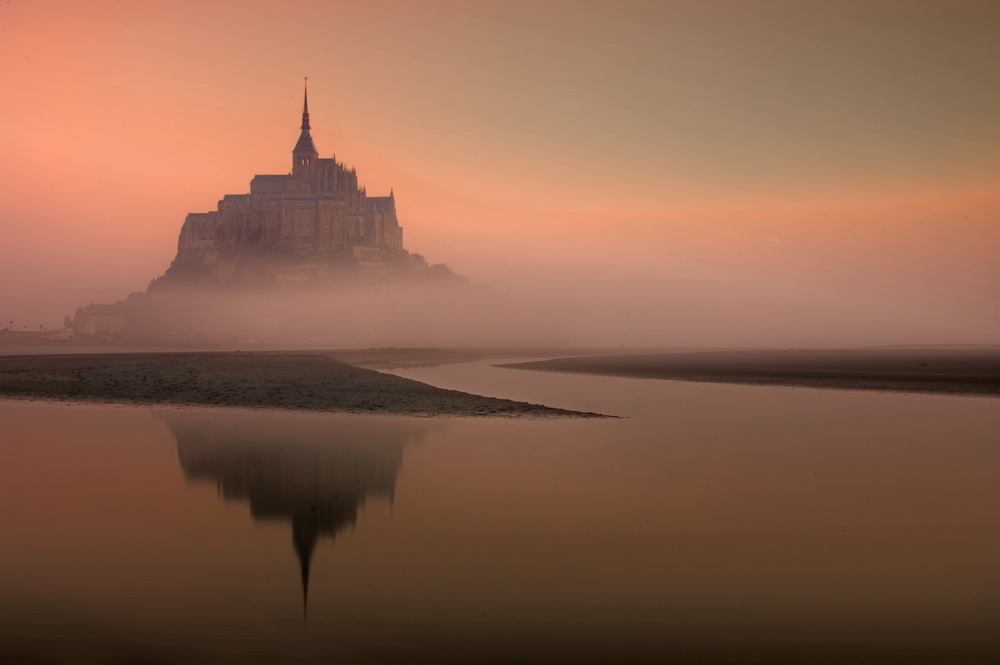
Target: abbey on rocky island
pixel 306 219
pixel 312 228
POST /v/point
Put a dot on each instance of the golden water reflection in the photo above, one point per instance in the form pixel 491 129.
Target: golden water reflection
pixel 315 477
pixel 715 524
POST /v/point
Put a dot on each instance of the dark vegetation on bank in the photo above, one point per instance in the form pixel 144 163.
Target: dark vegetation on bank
pixel 303 381
pixel 949 371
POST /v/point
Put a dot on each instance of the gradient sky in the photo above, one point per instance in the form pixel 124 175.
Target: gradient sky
pixel 805 172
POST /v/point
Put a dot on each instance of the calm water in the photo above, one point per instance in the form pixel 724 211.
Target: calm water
pixel 714 523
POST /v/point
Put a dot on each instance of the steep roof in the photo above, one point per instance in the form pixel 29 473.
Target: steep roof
pixel 305 143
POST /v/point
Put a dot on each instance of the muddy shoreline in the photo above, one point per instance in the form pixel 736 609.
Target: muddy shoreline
pixel 940 371
pixel 310 381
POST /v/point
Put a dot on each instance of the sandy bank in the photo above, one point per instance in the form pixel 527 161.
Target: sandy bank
pixel 290 380
pixel 950 371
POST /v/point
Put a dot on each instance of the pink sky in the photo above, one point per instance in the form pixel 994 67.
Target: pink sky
pixel 823 173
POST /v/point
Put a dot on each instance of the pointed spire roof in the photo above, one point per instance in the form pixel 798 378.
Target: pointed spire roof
pixel 305 143
pixel 304 537
pixel 305 103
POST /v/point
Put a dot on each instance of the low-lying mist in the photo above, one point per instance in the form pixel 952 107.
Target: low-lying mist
pixel 827 279
pixel 342 317
pixel 641 307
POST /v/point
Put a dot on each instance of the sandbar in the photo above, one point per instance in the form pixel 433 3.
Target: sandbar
pixel 974 371
pixel 270 380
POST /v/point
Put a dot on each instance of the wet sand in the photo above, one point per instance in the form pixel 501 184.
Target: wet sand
pixel 290 380
pixel 946 371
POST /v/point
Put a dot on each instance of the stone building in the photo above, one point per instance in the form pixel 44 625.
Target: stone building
pixel 312 227
pixel 100 319
pixel 305 217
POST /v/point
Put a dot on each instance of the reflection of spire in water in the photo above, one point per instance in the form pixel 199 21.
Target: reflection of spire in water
pixel 304 537
pixel 315 471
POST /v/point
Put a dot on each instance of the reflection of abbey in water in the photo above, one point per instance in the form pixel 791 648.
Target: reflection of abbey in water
pixel 313 470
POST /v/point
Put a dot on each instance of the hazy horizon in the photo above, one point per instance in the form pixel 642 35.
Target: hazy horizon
pixel 638 174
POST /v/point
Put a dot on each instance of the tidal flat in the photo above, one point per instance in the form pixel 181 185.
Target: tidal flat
pixel 311 381
pixel 956 371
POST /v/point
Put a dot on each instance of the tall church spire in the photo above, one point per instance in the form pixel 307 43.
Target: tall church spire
pixel 305 152
pixel 305 106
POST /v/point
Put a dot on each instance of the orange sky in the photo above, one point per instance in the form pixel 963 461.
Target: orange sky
pixel 703 160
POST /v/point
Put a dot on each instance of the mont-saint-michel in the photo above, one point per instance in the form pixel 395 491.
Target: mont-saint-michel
pixel 291 228
pixel 312 229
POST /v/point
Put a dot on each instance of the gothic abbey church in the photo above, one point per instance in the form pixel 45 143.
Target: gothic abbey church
pixel 311 227
pixel 293 227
